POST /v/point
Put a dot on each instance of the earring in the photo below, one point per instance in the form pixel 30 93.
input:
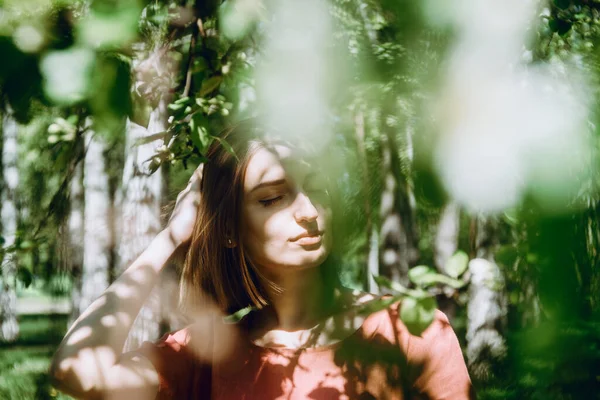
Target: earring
pixel 229 242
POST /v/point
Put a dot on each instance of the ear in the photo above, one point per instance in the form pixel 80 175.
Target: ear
pixel 230 243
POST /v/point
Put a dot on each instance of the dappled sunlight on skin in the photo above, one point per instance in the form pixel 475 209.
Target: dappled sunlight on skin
pixel 209 339
pixel 90 362
pixel 301 205
pixel 80 350
pixel 109 320
pixel 79 335
pixel 124 291
pixel 366 363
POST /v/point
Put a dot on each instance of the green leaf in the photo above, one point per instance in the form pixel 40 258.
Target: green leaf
pixel 175 106
pixel 199 133
pixel 421 275
pixel 377 304
pixel 457 264
pixel 507 255
pixel 386 283
pixel 238 315
pixel 182 100
pixel 110 28
pixel 227 147
pixel 417 314
pixel 560 26
pixel 24 276
pixel 151 138
pixel 26 245
pixel 562 4
pixel 237 17
pixel 210 84
pixel 67 74
pixel 111 99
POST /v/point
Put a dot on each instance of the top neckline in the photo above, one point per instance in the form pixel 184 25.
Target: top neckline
pixel 323 348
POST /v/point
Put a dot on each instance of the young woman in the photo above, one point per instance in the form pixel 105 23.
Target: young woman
pixel 258 228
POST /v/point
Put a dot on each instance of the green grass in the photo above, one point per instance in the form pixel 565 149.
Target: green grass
pixel 24 364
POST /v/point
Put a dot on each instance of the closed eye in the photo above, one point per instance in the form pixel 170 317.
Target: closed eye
pixel 269 202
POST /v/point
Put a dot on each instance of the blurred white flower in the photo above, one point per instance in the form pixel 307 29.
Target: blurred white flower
pixel 67 74
pixel 28 38
pixel 508 129
pixel 291 77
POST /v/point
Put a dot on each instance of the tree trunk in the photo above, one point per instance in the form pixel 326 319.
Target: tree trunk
pixel 446 237
pixel 9 326
pixel 487 306
pixel 97 237
pixel 398 240
pixel 141 201
pixel 446 244
pixel 76 232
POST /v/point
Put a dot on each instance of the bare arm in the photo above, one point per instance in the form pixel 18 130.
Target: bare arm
pixel 89 360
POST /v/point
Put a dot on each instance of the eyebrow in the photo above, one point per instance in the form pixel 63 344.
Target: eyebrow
pixel 268 183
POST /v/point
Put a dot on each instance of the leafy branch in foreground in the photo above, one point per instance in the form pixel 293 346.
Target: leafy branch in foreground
pixel 418 304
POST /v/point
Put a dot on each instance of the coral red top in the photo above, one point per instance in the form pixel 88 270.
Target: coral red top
pixel 381 360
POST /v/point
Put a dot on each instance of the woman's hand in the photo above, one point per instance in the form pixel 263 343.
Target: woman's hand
pixel 181 223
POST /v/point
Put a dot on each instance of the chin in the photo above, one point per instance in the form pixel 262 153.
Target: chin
pixel 315 258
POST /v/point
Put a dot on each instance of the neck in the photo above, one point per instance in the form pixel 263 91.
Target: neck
pixel 299 299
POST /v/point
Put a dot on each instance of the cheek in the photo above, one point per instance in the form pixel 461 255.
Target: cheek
pixel 264 231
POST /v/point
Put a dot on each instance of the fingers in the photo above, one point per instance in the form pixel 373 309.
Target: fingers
pixel 196 179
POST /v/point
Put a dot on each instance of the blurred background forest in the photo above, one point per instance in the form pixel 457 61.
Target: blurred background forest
pixel 463 137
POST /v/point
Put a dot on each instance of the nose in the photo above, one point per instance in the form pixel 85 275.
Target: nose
pixel 305 210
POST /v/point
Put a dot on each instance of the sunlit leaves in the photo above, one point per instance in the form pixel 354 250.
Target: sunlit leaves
pixel 237 17
pixel 417 314
pixel 417 306
pixel 28 38
pixel 19 77
pixel 110 24
pixel 24 276
pixel 425 276
pixel 238 315
pixel 210 85
pixel 226 146
pixel 62 129
pixel 386 283
pixel 457 264
pixel 67 74
pixel 563 4
pixel 110 99
pixel 199 133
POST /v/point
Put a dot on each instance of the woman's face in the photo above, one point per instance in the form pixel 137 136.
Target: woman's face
pixel 286 211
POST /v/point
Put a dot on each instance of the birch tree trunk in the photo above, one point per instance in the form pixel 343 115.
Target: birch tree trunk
pixel 446 236
pixel 75 237
pixel 97 238
pixel 446 244
pixel 9 326
pixel 141 200
pixel 487 306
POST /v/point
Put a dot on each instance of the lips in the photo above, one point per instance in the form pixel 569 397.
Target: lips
pixel 308 238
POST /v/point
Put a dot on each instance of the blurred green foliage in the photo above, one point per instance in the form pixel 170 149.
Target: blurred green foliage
pixel 65 61
pixel 24 365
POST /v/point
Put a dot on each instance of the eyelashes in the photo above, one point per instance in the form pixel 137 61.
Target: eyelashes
pixel 270 202
pixel 316 195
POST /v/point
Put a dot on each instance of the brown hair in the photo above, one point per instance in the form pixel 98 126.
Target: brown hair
pixel 211 267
